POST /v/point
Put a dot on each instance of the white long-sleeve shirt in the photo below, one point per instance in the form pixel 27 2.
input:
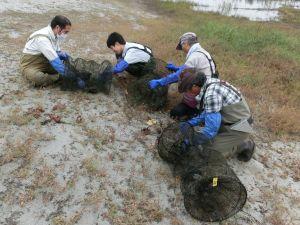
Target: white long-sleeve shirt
pixel 133 53
pixel 43 42
pixel 198 60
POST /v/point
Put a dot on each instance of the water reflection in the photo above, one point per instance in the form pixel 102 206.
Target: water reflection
pixel 262 10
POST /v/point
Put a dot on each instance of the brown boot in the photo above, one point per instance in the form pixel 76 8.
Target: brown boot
pixel 246 150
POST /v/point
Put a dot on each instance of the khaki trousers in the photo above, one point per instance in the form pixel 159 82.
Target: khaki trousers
pixel 227 141
pixel 37 70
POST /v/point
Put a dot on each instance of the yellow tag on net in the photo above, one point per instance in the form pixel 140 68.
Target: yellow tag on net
pixel 151 122
pixel 215 182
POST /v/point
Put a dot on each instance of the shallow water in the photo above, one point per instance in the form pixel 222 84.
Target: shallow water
pixel 258 10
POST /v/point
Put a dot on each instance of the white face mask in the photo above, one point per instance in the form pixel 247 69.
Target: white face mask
pixel 62 37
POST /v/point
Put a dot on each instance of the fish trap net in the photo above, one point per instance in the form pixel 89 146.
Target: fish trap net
pixel 97 76
pixel 169 143
pixel 139 91
pixel 210 188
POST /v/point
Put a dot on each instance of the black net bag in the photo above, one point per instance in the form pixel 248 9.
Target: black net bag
pixel 169 144
pixel 139 91
pixel 211 189
pixel 160 67
pixel 97 77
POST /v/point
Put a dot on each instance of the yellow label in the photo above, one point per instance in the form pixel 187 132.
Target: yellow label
pixel 215 182
pixel 151 122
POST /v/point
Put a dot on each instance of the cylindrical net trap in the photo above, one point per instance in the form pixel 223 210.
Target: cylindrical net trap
pixel 97 76
pixel 211 189
pixel 139 91
pixel 169 143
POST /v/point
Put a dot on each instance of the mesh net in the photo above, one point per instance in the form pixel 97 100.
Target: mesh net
pixel 169 143
pixel 97 77
pixel 139 91
pixel 160 67
pixel 211 189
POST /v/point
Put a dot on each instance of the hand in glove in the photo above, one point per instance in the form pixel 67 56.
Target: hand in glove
pixel 120 66
pixel 63 55
pixel 185 128
pixel 172 67
pixel 154 83
pixel 171 78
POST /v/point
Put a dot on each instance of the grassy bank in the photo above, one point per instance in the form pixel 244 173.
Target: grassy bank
pixel 290 16
pixel 261 58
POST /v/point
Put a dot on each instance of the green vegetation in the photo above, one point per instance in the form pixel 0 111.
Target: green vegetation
pixel 290 15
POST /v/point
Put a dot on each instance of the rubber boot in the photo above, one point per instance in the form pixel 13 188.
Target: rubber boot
pixel 246 150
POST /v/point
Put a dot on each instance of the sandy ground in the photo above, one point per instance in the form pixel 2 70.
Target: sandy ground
pixel 98 166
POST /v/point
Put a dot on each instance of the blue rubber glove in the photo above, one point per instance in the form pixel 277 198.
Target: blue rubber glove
pixel 62 55
pixel 58 65
pixel 171 78
pixel 198 138
pixel 153 84
pixel 184 128
pixel 186 142
pixel 212 123
pixel 172 67
pixel 197 120
pixel 80 83
pixel 120 66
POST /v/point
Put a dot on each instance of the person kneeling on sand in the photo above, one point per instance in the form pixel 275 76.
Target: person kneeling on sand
pixel 225 115
pixel 138 61
pixel 42 60
pixel 134 58
pixel 197 58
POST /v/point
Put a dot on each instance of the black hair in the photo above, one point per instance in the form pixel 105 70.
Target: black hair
pixel 190 77
pixel 199 79
pixel 113 38
pixel 61 21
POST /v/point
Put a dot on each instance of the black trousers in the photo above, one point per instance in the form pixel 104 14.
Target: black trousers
pixel 183 111
pixel 142 68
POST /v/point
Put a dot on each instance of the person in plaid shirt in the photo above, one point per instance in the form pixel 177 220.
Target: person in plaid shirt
pixel 219 93
pixel 225 114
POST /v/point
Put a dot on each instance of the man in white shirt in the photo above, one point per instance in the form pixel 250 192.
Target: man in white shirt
pixel 42 59
pixel 138 60
pixel 196 58
pixel 134 58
